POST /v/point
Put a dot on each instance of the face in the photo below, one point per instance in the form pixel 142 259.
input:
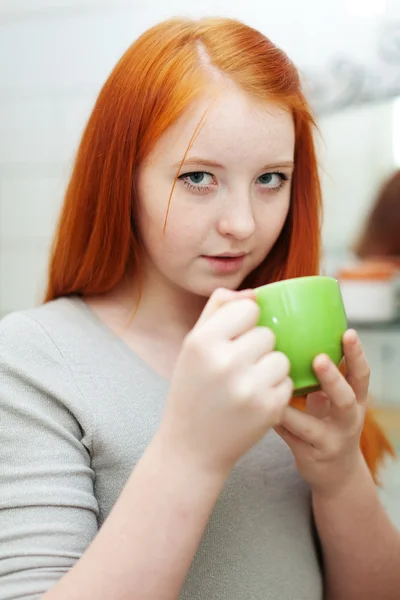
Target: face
pixel 231 199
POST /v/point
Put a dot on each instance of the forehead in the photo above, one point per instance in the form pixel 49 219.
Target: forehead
pixel 235 129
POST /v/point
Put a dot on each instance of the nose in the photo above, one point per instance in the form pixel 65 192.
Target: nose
pixel 236 218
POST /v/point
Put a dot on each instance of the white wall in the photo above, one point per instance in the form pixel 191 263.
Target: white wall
pixel 54 56
pixel 356 155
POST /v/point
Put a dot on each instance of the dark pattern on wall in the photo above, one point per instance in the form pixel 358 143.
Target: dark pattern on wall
pixel 346 82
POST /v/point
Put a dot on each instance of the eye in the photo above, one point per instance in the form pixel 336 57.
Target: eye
pixel 198 178
pixel 272 181
pixel 198 182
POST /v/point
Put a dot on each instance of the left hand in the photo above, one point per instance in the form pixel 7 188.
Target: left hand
pixel 325 440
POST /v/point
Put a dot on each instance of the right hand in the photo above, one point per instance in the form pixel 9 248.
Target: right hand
pixel 229 387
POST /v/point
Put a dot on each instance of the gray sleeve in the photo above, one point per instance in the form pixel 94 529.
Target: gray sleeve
pixel 48 511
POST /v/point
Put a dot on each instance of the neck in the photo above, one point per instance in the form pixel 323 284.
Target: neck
pixel 162 309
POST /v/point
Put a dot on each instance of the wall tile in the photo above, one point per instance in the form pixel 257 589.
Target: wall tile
pixel 42 129
pixel 29 206
pixel 22 273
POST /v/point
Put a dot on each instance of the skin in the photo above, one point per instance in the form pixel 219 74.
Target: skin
pixel 240 206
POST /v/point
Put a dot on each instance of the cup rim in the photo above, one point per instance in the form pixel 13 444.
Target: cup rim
pixel 297 280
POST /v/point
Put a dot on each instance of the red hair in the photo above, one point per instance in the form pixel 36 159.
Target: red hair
pixel 98 242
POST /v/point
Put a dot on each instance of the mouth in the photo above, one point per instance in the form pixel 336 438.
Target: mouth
pixel 229 255
pixel 226 263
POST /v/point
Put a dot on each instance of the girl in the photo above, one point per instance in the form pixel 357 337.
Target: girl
pixel 141 405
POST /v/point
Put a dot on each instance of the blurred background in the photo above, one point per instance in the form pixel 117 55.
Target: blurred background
pixel 54 57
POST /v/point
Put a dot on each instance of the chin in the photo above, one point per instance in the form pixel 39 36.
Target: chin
pixel 205 290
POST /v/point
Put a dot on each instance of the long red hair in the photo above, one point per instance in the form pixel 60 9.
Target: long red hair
pixel 97 241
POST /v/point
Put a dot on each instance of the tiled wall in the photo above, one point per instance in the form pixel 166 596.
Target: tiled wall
pixel 41 132
pixel 54 56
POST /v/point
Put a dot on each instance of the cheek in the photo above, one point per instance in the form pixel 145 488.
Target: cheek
pixel 272 218
pixel 182 237
pixel 183 232
pixel 186 222
pixel 177 215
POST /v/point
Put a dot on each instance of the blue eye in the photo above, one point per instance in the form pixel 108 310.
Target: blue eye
pixel 272 180
pixel 199 182
pixel 198 178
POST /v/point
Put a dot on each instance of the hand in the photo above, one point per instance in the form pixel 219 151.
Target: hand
pixel 325 440
pixel 229 387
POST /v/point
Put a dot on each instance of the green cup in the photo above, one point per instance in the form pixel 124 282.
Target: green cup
pixel 308 318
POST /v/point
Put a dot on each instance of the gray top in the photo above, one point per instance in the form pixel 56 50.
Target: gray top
pixel 77 410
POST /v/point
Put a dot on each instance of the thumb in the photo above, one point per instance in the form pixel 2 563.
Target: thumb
pixel 294 442
pixel 220 297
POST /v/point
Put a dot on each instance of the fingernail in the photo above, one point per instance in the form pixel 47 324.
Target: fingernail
pixel 353 336
pixel 323 363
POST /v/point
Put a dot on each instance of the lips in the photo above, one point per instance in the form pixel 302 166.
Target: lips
pixel 225 263
pixel 229 255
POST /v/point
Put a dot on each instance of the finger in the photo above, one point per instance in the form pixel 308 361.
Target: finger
pixel 253 345
pixel 304 426
pixel 358 371
pixel 272 370
pixel 277 400
pixel 318 405
pixel 340 393
pixel 283 391
pixel 220 297
pixel 295 443
pixel 232 319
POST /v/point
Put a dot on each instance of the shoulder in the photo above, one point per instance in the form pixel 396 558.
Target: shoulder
pixel 43 329
pixel 29 333
pixel 33 365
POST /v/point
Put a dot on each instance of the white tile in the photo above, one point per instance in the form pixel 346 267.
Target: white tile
pixel 42 129
pixel 22 274
pixel 355 154
pixel 64 49
pixel 29 206
pixel 391 475
pixel 12 8
pixel 389 493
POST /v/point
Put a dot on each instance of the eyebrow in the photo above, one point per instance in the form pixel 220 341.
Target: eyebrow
pixel 203 162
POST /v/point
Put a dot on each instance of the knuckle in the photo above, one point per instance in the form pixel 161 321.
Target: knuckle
pixel 194 341
pixel 318 438
pixel 366 374
pixel 348 401
pixel 268 337
pixel 221 363
pixel 273 410
pixel 219 297
pixel 306 431
pixel 282 361
pixel 197 344
pixel 290 386
pixel 220 293
pixel 250 307
pixel 244 390
pixel 275 414
pixel 333 376
pixel 283 393
pixel 333 447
